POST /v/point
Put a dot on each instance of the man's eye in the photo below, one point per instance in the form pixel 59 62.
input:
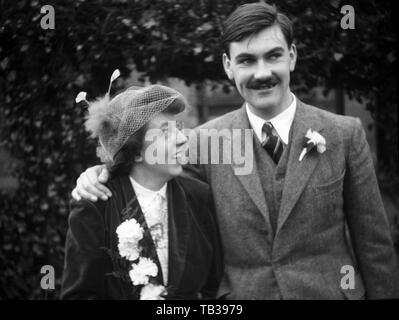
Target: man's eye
pixel 245 61
pixel 275 56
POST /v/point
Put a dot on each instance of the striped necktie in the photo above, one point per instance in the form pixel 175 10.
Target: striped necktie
pixel 272 144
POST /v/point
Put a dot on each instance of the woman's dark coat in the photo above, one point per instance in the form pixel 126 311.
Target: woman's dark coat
pixel 94 269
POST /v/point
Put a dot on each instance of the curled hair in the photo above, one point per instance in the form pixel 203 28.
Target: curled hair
pixel 251 18
pixel 124 159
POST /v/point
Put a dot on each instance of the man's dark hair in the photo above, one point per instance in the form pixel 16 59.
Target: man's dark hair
pixel 251 18
pixel 124 159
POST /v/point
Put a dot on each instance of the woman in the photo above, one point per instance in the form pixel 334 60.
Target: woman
pixel 156 237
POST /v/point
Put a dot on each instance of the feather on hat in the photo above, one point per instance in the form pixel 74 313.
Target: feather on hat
pixel 114 121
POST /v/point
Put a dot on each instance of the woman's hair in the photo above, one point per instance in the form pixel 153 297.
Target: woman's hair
pixel 124 159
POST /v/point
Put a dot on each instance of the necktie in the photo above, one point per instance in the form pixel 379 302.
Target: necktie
pixel 272 144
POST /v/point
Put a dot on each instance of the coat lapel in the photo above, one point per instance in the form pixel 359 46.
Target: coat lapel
pixel 133 210
pixel 178 230
pixel 298 172
pixel 251 182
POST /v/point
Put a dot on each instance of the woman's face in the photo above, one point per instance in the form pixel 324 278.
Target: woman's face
pixel 164 146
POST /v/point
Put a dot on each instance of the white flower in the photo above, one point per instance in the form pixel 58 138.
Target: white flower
pixel 142 270
pixel 152 292
pixel 129 231
pixel 81 96
pixel 129 250
pixel 315 140
pixel 129 234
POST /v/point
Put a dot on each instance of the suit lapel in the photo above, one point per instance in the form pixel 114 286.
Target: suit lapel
pixel 251 182
pixel 178 230
pixel 298 172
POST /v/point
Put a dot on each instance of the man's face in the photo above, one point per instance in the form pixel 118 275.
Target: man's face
pixel 260 66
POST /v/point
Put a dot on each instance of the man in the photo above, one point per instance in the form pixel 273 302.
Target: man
pixel 304 224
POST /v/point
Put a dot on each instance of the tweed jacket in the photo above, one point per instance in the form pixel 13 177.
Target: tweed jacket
pixel 331 216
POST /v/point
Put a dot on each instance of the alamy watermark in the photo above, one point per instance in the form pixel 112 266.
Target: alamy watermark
pixel 348 20
pixel 348 280
pixel 205 146
pixel 47 282
pixel 48 20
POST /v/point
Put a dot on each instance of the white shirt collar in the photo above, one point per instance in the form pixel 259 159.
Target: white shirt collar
pixel 146 196
pixel 281 122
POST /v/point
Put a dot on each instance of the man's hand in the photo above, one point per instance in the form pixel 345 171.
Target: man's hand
pixel 90 184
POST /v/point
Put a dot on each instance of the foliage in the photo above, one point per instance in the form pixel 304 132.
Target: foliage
pixel 42 70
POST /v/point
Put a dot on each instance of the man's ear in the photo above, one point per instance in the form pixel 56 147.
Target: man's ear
pixel 227 66
pixel 293 56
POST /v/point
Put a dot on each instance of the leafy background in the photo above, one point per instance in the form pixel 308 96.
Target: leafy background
pixel 42 70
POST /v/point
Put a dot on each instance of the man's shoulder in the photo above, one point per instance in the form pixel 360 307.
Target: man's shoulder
pixel 330 119
pixel 221 122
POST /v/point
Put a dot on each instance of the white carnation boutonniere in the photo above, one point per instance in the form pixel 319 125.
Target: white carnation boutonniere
pixel 142 270
pixel 152 292
pixel 129 234
pixel 313 139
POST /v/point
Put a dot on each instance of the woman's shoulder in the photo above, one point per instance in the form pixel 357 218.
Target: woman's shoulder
pixel 198 194
pixel 98 207
pixel 85 215
pixel 194 186
pixel 84 206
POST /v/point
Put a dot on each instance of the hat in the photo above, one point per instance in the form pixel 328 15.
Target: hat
pixel 114 121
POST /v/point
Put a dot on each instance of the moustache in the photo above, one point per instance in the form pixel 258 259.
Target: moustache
pixel 259 84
